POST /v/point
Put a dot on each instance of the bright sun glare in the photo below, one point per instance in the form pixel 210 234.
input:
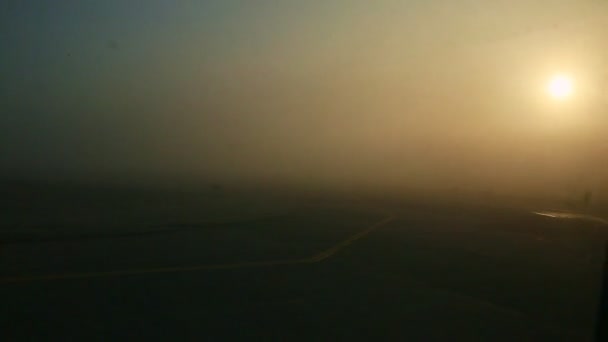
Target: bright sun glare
pixel 560 87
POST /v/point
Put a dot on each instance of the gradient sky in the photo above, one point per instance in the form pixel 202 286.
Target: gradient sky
pixel 383 93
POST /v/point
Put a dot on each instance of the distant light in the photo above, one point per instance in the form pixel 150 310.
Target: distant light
pixel 560 87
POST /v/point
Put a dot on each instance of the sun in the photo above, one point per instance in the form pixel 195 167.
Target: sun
pixel 560 87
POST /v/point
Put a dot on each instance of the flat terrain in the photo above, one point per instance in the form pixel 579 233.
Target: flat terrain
pixel 406 271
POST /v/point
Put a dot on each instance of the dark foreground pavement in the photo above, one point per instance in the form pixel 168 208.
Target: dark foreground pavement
pixel 433 273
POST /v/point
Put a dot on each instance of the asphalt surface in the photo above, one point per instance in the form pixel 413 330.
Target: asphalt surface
pixel 406 272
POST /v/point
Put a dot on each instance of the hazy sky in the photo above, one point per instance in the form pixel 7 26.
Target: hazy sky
pixel 349 92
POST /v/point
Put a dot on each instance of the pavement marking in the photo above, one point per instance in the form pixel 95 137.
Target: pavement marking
pixel 149 270
pixel 310 260
pixel 341 245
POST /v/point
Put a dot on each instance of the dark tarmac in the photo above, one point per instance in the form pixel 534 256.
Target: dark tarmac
pixel 404 272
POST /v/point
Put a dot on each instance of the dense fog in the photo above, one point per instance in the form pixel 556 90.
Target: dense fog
pixel 382 95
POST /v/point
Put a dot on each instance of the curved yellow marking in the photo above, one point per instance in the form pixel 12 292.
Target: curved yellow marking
pixel 313 259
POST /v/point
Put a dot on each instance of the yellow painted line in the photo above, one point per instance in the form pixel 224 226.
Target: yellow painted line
pixel 335 249
pixel 314 259
pixel 149 270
